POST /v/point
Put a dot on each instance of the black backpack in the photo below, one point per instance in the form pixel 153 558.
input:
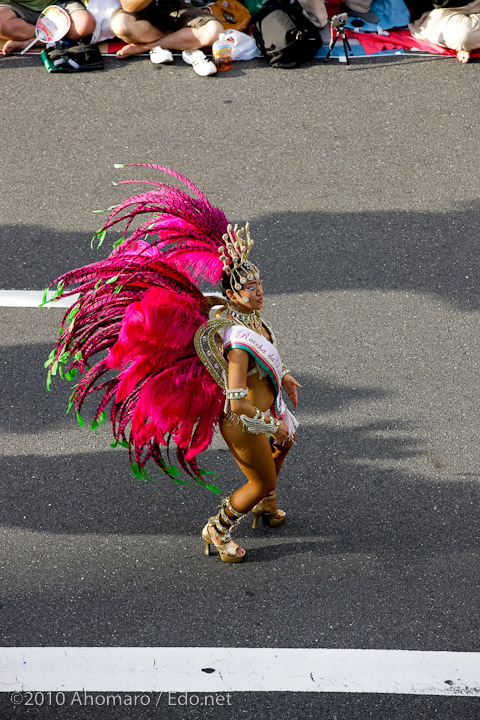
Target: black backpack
pixel 285 37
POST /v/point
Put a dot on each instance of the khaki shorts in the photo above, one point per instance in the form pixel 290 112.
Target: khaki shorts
pixel 31 16
pixel 170 16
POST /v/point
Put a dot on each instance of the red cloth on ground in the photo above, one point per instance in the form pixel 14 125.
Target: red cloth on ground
pixel 397 39
pixel 115 45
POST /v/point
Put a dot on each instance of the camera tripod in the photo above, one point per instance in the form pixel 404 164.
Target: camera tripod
pixel 339 26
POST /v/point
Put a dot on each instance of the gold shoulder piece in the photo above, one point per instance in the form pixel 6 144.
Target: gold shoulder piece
pixel 209 347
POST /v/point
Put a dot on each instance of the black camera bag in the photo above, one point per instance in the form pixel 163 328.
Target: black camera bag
pixel 284 36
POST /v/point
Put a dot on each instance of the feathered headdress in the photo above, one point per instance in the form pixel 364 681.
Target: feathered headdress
pixel 141 307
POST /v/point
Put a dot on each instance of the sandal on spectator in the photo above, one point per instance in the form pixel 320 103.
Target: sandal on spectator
pixel 199 61
pixel 159 55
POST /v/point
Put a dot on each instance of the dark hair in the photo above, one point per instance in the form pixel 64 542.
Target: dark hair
pixel 225 283
pixel 227 278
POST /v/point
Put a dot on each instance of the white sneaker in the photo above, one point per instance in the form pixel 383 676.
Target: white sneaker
pixel 159 55
pixel 199 61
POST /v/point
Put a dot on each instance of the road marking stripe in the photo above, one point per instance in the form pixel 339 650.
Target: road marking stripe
pixel 30 298
pixel 197 669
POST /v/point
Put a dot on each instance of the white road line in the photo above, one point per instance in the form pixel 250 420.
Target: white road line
pixel 30 298
pixel 197 669
pixel 33 298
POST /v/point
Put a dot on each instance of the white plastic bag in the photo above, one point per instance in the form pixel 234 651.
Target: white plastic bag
pixel 102 11
pixel 244 46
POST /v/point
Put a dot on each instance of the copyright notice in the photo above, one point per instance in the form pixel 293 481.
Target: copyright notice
pixel 82 698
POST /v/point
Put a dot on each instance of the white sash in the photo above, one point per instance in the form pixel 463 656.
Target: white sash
pixel 268 357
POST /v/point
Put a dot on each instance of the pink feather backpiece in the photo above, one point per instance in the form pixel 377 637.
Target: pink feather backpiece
pixel 140 309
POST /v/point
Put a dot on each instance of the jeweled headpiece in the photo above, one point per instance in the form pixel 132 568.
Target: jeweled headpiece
pixel 234 255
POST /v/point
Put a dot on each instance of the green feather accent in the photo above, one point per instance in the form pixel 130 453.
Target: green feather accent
pixel 71 374
pixel 213 488
pixel 59 289
pixel 118 166
pixel 122 443
pixel 99 212
pixel 71 400
pixel 72 313
pixel 97 423
pixel 140 473
pixel 171 470
pixel 118 242
pixel 79 419
pixel 100 237
pixel 44 297
pixel 50 360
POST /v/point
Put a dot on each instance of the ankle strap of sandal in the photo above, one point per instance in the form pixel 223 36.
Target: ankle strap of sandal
pixel 235 513
pixel 225 528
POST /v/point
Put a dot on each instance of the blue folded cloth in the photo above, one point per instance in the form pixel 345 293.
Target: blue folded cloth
pixel 391 13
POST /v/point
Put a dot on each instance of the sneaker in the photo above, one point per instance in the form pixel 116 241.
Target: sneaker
pixel 199 61
pixel 159 55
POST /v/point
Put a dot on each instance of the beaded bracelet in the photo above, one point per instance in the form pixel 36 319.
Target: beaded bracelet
pixel 237 393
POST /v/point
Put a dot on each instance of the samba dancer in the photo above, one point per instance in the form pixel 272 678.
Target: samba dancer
pixel 256 425
pixel 174 375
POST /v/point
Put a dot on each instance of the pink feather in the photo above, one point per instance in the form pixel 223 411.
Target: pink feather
pixel 143 306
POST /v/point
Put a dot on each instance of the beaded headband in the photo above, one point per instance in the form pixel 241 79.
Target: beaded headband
pixel 234 255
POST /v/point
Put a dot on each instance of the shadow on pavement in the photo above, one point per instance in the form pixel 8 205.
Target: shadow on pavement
pixel 392 251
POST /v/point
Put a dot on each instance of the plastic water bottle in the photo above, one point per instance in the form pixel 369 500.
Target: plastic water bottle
pixel 222 53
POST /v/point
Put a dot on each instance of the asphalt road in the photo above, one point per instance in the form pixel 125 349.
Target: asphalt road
pixel 361 189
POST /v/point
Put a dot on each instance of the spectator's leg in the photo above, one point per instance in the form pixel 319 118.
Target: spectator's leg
pixel 140 35
pixel 316 12
pixel 82 24
pixel 18 32
pixel 193 38
pixel 361 9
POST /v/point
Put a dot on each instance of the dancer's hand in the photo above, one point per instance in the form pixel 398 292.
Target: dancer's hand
pixel 281 435
pixel 290 386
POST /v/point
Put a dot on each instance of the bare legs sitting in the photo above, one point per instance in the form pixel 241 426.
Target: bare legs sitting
pixel 19 30
pixel 188 30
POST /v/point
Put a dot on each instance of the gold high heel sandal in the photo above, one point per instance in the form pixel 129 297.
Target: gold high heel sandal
pixel 272 518
pixel 226 550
